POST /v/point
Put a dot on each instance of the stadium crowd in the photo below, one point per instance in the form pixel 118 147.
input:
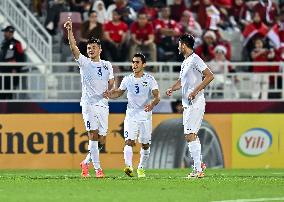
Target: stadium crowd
pixel 154 26
pixel 225 30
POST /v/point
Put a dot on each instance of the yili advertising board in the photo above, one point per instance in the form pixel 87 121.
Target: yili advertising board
pixel 258 141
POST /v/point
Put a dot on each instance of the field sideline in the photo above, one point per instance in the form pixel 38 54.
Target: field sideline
pixel 160 185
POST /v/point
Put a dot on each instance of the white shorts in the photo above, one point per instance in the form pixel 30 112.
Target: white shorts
pixel 193 115
pixel 140 129
pixel 96 118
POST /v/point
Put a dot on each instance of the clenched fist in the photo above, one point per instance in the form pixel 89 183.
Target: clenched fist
pixel 68 24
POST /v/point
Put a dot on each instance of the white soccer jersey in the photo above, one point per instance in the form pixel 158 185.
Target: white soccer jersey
pixel 94 79
pixel 139 93
pixel 191 76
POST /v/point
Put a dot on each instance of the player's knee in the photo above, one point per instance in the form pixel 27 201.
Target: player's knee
pixel 94 135
pixel 129 143
pixel 145 146
pixel 190 137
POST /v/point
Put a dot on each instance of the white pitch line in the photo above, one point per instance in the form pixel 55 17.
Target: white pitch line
pixel 252 200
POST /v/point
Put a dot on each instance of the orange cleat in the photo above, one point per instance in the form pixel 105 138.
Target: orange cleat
pixel 100 173
pixel 85 169
pixel 200 174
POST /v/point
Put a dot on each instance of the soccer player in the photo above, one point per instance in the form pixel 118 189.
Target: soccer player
pixel 96 77
pixel 194 77
pixel 140 87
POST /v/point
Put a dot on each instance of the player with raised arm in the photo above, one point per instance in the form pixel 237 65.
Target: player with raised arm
pixel 96 78
pixel 194 77
pixel 141 87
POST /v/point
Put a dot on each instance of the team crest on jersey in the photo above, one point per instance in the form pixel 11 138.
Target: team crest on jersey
pixel 105 67
pixel 144 83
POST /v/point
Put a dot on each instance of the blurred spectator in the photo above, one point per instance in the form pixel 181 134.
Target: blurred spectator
pixel 156 3
pixel 206 49
pixel 11 51
pixel 253 30
pixel 239 15
pixel 267 11
pixel 53 12
pixel 137 5
pixel 177 9
pixel 208 15
pixel 188 24
pixel 116 32
pixel 37 7
pixel 90 28
pixel 261 82
pixel 100 9
pixel 151 12
pixel 177 107
pixel 167 32
pixel 224 7
pixel 128 14
pixel 219 66
pixel 142 36
pixel 220 52
pixel 81 6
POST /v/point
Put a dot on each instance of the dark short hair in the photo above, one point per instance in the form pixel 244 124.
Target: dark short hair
pixel 188 40
pixel 141 56
pixel 91 12
pixel 94 40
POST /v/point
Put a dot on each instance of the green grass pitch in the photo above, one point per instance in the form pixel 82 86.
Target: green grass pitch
pixel 159 185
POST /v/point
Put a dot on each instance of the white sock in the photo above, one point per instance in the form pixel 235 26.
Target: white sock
pixel 189 149
pixel 88 157
pixel 144 156
pixel 94 150
pixel 195 148
pixel 128 153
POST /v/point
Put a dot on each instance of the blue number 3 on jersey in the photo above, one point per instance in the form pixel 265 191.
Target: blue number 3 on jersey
pixel 136 88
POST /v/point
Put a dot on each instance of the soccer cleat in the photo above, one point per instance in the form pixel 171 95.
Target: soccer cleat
pixel 85 169
pixel 129 171
pixel 141 173
pixel 100 173
pixel 193 174
pixel 200 175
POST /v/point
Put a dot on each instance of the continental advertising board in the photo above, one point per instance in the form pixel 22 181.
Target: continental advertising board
pixel 58 141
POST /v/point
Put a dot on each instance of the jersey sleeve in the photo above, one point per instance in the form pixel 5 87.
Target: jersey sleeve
pixel 82 60
pixel 200 64
pixel 123 85
pixel 154 84
pixel 111 76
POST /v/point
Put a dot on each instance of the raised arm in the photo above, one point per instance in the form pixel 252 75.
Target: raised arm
pixel 71 39
pixel 175 87
pixel 154 102
pixel 208 77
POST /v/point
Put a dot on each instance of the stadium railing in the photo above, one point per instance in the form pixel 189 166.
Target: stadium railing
pixel 61 81
pixel 34 34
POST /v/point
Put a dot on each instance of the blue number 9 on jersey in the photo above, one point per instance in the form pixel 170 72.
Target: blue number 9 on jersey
pixel 88 125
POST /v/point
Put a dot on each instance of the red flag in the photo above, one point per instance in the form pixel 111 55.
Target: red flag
pixel 251 30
